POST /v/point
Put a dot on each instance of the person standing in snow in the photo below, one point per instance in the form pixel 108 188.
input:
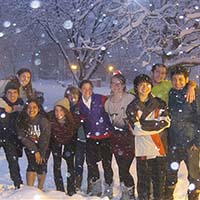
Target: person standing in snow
pixel 98 130
pixel 184 136
pixel 8 132
pixel 122 138
pixel 34 133
pixel 72 93
pixel 148 118
pixel 62 144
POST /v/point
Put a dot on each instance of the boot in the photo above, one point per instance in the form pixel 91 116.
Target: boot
pixel 94 188
pixel 128 193
pixel 193 195
pixel 78 183
pixel 30 178
pixel 108 190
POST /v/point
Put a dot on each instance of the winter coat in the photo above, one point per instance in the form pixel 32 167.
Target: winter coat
pixel 122 138
pixel 80 134
pixel 96 121
pixel 34 133
pixel 62 133
pixel 185 119
pixel 148 121
pixel 8 121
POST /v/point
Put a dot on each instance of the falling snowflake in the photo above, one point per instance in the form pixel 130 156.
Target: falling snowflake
pixel 35 4
pixel 7 24
pixel 174 166
pixel 1 34
pixel 68 24
pixel 37 61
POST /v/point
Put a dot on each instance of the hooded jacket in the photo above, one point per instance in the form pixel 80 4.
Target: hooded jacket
pixel 34 133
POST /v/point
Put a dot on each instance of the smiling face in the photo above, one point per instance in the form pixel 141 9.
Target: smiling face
pixel 159 75
pixel 116 85
pixel 24 78
pixel 179 81
pixel 12 95
pixel 59 112
pixel 86 90
pixel 32 109
pixel 144 89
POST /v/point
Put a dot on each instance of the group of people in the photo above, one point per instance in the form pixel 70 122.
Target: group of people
pixel 157 122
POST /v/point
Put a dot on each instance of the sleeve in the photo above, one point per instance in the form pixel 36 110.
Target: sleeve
pixel 131 116
pixel 26 141
pixel 197 120
pixel 161 119
pixel 44 137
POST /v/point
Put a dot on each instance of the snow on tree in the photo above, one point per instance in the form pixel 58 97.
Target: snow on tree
pixel 85 31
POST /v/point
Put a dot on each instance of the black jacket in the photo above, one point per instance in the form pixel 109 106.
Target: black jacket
pixel 185 119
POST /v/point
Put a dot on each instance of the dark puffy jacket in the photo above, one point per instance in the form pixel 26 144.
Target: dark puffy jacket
pixel 185 119
pixel 8 132
pixel 62 133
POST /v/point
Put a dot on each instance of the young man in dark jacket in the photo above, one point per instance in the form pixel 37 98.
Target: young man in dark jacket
pixel 184 135
pixel 8 135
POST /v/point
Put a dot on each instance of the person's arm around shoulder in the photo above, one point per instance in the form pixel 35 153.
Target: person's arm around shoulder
pixel 4 105
pixel 190 95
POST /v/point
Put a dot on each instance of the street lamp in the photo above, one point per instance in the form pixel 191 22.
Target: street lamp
pixel 74 69
pixel 110 68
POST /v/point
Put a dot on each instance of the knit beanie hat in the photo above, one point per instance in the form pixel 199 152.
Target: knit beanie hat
pixel 142 78
pixel 63 103
pixel 11 85
pixel 120 77
pixel 22 70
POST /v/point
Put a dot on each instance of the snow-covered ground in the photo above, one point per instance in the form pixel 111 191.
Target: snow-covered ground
pixel 54 91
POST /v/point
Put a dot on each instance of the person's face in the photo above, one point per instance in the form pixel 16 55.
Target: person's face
pixel 32 110
pixel 12 95
pixel 86 91
pixel 24 78
pixel 116 85
pixel 179 81
pixel 159 74
pixel 59 112
pixel 144 89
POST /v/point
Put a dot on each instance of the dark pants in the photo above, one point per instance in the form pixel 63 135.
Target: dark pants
pixel 99 150
pixel 68 155
pixel 191 159
pixel 80 157
pixel 124 164
pixel 11 152
pixel 123 149
pixel 151 171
